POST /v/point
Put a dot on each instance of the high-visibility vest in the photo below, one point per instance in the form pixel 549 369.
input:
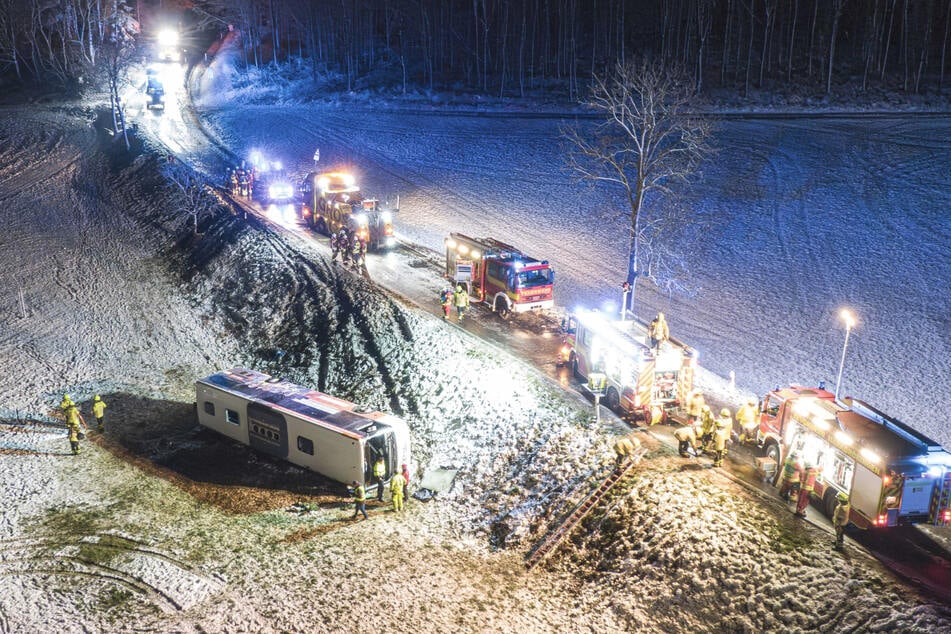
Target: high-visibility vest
pixel 809 483
pixel 379 469
pixel 359 493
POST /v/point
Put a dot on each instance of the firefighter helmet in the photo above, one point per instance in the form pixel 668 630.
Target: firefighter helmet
pixel 706 408
pixel 724 412
pixel 751 402
pixel 96 398
pixel 843 496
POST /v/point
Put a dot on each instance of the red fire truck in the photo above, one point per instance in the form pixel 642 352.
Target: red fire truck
pixel 892 473
pixel 637 379
pixel 499 274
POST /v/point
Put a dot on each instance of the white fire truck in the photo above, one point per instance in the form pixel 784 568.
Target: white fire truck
pixel 499 275
pixel 308 428
pixel 332 200
pixel 638 380
pixel 892 473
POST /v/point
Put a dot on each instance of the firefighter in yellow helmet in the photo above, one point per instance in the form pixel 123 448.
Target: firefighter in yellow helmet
pixel 65 402
pixel 624 448
pixel 379 475
pixel 791 476
pixel 724 426
pixel 460 300
pixel 98 410
pixel 397 488
pixel 686 439
pixel 806 487
pixel 707 427
pixel 840 518
pixel 74 422
pixel 747 419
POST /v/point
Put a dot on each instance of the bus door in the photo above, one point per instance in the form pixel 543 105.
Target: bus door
pixel 382 443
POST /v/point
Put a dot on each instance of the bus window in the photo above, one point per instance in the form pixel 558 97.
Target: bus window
pixel 232 417
pixel 305 445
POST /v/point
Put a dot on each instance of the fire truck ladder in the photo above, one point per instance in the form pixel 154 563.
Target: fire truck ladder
pixel 549 542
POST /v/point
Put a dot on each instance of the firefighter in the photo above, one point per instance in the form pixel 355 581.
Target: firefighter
pixel 695 405
pixel 243 182
pixel 724 426
pixel 707 428
pixel 359 493
pixel 235 185
pixel 65 402
pixel 334 247
pixel 840 518
pixel 806 488
pixel 74 422
pixel 397 487
pixel 460 300
pixel 624 448
pixel 686 439
pixel 379 474
pixel 445 298
pixel 358 251
pixel 746 419
pixel 343 243
pixel 792 474
pixel 658 331
pixel 98 410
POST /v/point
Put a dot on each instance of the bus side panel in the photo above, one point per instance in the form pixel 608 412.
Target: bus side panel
pixel 334 456
pixel 866 492
pixel 222 412
pixel 267 430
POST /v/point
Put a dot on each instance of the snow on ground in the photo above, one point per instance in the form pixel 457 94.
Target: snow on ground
pixel 810 215
pixel 159 526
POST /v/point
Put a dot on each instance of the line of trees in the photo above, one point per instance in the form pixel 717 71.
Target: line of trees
pixel 513 47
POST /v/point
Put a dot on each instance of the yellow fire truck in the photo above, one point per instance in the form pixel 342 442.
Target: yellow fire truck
pixel 638 380
pixel 332 200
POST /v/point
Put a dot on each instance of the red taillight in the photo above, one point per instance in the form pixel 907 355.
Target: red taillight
pixel 881 520
pixel 946 516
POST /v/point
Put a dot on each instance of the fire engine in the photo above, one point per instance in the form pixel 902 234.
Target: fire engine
pixel 892 473
pixel 499 275
pixel 637 379
pixel 332 200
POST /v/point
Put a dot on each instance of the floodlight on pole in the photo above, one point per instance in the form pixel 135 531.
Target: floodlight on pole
pixel 849 323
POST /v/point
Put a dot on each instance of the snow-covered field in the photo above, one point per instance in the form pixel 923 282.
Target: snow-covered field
pixel 158 526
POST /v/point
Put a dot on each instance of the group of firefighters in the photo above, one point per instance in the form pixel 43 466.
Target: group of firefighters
pixel 76 424
pixel 399 489
pixel 351 247
pixel 241 180
pixel 796 484
pixel 458 298
pixel 705 433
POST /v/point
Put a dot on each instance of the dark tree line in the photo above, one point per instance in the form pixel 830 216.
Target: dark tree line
pixel 513 47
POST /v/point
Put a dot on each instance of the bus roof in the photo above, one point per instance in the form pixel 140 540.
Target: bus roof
pixel 308 404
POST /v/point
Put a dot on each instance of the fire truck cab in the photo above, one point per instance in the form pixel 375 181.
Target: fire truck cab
pixel 334 201
pixel 892 473
pixel 638 380
pixel 499 275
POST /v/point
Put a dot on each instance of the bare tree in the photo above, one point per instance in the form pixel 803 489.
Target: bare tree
pixel 119 46
pixel 650 144
pixel 196 197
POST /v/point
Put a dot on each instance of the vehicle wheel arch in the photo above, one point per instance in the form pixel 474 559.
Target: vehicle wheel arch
pixel 771 449
pixel 502 306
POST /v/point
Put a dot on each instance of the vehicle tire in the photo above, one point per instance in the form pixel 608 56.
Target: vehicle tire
pixel 320 226
pixel 611 399
pixel 771 450
pixel 573 362
pixel 829 502
pixel 502 308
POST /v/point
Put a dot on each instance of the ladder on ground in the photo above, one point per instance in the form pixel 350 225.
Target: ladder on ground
pixel 550 542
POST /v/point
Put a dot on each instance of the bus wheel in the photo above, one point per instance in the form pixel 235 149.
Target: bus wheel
pixel 611 399
pixel 320 226
pixel 502 308
pixel 772 452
